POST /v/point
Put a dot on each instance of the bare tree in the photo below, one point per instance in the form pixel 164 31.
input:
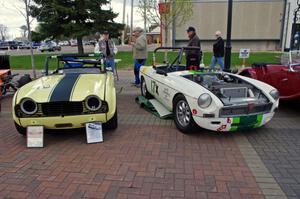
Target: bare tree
pixel 24 11
pixel 3 31
pixel 175 12
pixel 24 31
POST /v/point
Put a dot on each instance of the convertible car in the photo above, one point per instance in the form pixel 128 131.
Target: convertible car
pixel 213 100
pixel 284 76
pixel 77 92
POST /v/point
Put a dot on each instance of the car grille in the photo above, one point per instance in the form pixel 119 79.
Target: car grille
pixel 244 110
pixel 62 108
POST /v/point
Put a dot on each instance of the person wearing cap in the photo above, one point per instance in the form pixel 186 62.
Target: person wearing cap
pixel 193 57
pixel 218 49
pixel 140 52
pixel 108 49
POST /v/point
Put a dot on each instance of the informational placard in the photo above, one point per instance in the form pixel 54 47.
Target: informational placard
pixel 94 132
pixel 35 136
pixel 244 53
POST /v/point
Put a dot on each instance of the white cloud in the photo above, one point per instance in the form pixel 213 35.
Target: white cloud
pixel 11 17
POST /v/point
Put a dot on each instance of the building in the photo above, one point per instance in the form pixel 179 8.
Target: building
pixel 260 25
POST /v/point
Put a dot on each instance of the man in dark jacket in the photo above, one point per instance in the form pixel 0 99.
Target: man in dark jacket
pixel 193 57
pixel 218 49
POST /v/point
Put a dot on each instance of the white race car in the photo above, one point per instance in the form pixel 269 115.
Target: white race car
pixel 213 100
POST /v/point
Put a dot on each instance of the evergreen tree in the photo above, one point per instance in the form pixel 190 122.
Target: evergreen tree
pixel 74 18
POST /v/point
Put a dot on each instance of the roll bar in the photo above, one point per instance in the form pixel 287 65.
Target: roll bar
pixel 63 57
pixel 178 59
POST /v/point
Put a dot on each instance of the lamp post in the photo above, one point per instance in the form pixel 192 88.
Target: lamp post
pixel 228 39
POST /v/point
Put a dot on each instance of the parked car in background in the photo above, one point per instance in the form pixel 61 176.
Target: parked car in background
pixel 24 45
pixel 12 45
pixel 49 47
pixel 73 43
pixel 284 76
pixel 64 43
pixel 36 45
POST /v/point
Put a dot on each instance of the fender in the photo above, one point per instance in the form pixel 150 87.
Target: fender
pixel 248 72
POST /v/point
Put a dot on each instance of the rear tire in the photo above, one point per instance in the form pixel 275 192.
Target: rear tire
pixel 144 90
pixel 112 124
pixel 183 115
pixel 20 129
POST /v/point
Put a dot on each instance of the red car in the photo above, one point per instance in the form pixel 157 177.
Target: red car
pixel 284 76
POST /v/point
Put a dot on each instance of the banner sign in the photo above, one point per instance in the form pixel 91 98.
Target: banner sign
pixel 244 53
pixel 94 132
pixel 35 136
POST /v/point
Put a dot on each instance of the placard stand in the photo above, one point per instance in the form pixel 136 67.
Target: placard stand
pixel 94 132
pixel 35 136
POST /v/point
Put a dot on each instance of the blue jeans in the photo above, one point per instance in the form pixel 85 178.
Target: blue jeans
pixel 137 65
pixel 110 63
pixel 215 60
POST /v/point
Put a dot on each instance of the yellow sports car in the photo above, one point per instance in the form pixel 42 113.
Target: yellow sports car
pixel 77 92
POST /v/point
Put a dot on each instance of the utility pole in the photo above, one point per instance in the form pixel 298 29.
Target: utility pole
pixel 145 17
pixel 131 19
pixel 228 39
pixel 123 32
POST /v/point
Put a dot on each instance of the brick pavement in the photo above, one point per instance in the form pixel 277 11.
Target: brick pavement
pixel 279 148
pixel 144 158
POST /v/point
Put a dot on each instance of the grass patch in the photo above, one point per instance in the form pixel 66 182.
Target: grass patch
pixel 24 61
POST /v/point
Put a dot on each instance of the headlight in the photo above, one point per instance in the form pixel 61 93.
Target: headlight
pixel 204 100
pixel 93 103
pixel 275 94
pixel 28 106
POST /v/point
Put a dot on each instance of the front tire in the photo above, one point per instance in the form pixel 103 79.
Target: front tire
pixel 183 115
pixel 144 91
pixel 20 129
pixel 112 124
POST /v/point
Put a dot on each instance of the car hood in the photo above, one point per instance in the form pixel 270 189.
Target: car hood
pixel 67 87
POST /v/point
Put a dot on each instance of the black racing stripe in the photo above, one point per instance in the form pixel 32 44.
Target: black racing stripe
pixel 63 90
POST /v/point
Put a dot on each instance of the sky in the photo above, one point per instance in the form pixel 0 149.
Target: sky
pixel 13 19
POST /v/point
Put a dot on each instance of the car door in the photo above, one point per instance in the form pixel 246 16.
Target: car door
pixel 277 76
pixel 293 81
pixel 160 88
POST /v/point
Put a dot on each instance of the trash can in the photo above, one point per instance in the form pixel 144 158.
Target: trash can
pixel 4 62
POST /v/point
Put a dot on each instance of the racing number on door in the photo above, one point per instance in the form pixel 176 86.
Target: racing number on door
pixel 154 87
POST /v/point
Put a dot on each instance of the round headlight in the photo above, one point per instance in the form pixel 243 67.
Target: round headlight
pixel 93 103
pixel 28 106
pixel 275 94
pixel 204 100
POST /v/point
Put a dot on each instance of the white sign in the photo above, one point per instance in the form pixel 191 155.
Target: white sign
pixel 94 132
pixel 35 136
pixel 244 53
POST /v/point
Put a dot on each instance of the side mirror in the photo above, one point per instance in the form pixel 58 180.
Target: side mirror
pixel 161 72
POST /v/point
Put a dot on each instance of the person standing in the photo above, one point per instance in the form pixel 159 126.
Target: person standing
pixel 140 52
pixel 218 48
pixel 193 57
pixel 108 49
